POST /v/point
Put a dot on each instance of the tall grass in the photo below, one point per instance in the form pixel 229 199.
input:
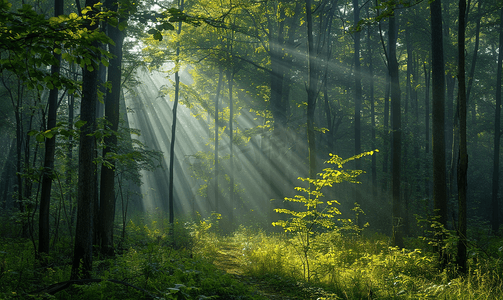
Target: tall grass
pixel 349 266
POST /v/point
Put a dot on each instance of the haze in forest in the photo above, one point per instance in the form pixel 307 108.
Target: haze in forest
pixel 315 120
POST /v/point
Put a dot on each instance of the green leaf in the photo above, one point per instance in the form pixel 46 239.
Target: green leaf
pixel 32 132
pixel 80 123
pixel 40 138
pixel 104 61
pixel 158 36
pixel 48 134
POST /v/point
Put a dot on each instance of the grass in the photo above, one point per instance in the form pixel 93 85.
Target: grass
pixel 149 266
pixel 358 267
pixel 199 263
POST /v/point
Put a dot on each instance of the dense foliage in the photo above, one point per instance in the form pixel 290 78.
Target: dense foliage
pixel 96 173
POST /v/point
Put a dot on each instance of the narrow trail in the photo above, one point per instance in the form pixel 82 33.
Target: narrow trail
pixel 229 258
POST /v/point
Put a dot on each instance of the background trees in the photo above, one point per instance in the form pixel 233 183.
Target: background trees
pixel 251 80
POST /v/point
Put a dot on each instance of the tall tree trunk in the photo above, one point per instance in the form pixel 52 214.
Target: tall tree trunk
pixel 219 86
pixel 474 57
pixel 385 166
pixel 232 204
pixel 358 104
pixel 328 55
pixel 70 164
pixel 438 107
pixel 112 104
pixel 311 92
pixel 7 177
pixel 82 255
pixel 171 199
pixel 495 222
pixel 372 115
pixel 463 154
pixel 358 84
pixel 50 149
pixel 427 76
pixel 397 134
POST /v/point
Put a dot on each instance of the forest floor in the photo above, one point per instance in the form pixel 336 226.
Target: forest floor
pixel 229 259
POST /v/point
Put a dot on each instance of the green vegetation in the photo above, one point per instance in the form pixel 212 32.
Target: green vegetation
pixel 352 265
pixel 346 262
pixel 148 266
pixel 318 255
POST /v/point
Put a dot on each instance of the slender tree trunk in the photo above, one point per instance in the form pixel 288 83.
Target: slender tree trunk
pixel 397 135
pixel 385 166
pixel 219 86
pixel 83 255
pixel 372 115
pixel 438 107
pixel 7 177
pixel 112 105
pixel 427 122
pixel 495 222
pixel 232 203
pixel 70 164
pixel 173 130
pixel 50 149
pixel 475 54
pixel 358 104
pixel 311 92
pixel 463 154
pixel 358 84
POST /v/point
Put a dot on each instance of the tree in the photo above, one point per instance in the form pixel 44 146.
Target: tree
pixel 311 91
pixel 463 154
pixel 358 82
pixel 495 222
pixel 173 126
pixel 438 108
pixel 83 253
pixel 397 133
pixel 372 114
pixel 112 104
pixel 216 165
pixel 50 147
pixel 357 95
pixel 319 214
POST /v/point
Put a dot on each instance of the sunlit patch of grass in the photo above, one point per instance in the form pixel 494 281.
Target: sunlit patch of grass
pixel 356 267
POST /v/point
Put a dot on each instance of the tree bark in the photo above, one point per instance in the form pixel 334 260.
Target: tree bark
pixel 463 154
pixel 495 222
pixel 50 149
pixel 311 92
pixel 83 256
pixel 171 199
pixel 372 115
pixel 112 104
pixel 219 86
pixel 397 135
pixel 230 74
pixel 438 119
pixel 427 76
pixel 358 84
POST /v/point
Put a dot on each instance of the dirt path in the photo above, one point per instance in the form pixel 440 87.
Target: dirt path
pixel 229 259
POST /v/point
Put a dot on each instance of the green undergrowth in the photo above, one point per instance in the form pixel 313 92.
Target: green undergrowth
pixel 353 266
pixel 197 262
pixel 150 265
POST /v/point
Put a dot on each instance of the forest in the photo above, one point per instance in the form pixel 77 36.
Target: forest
pixel 251 149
